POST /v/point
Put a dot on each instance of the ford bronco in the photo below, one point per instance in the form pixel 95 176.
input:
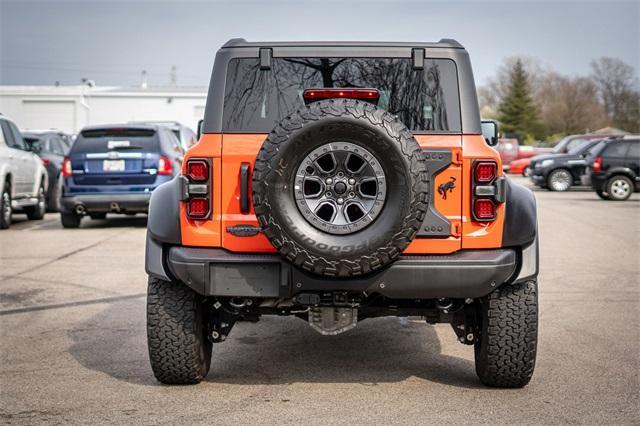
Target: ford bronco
pixel 335 182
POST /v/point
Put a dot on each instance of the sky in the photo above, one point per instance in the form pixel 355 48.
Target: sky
pixel 111 42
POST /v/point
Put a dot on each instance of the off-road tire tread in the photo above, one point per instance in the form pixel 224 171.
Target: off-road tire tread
pixel 413 155
pixel 179 350
pixel 505 354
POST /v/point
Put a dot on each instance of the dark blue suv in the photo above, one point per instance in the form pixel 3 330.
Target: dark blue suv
pixel 114 169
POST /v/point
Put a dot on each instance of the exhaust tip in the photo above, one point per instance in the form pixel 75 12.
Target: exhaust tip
pixel 80 210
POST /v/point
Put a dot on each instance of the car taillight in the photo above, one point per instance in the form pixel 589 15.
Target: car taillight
pixel 370 95
pixel 45 162
pixel 485 171
pixel 484 209
pixel 597 164
pixel 164 166
pixel 66 167
pixel 198 174
pixel 487 191
pixel 198 208
pixel 197 170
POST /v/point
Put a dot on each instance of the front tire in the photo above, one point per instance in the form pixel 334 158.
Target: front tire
pixel 526 172
pixel 37 212
pixel 5 207
pixel 560 180
pixel 505 352
pixel 179 349
pixel 619 188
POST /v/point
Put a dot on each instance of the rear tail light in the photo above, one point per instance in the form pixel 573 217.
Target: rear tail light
pixel 487 191
pixel 198 174
pixel 597 164
pixel 198 170
pixel 45 162
pixel 484 209
pixel 164 166
pixel 66 167
pixel 370 95
pixel 198 208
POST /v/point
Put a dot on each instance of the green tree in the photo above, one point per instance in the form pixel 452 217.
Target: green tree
pixel 517 112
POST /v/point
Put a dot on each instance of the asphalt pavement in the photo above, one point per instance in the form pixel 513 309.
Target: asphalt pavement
pixel 73 343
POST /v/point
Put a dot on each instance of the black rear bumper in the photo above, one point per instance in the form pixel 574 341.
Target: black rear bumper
pixel 468 273
pixel 104 203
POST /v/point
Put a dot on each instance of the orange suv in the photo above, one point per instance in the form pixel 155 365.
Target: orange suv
pixel 335 182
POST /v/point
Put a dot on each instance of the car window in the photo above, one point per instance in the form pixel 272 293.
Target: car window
pixel 634 149
pixel 574 143
pixel 57 146
pixel 616 149
pixel 18 141
pixel 121 139
pixel 424 100
pixel 583 147
pixel 2 139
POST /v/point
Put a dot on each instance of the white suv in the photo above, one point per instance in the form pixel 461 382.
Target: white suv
pixel 23 178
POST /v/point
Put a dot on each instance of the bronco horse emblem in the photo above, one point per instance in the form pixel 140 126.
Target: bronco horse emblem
pixel 448 186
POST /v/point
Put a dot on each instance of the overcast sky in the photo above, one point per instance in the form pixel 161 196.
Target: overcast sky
pixel 111 42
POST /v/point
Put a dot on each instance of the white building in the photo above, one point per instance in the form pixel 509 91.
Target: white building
pixel 69 108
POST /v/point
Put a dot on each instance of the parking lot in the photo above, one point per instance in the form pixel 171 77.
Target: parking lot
pixel 73 344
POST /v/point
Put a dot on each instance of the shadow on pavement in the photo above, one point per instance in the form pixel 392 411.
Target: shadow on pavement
pixel 279 350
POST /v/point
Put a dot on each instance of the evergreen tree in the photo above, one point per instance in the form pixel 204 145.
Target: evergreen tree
pixel 517 113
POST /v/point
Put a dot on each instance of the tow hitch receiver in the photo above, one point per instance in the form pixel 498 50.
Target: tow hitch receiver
pixel 330 321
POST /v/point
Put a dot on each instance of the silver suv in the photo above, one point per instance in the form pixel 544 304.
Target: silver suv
pixel 23 178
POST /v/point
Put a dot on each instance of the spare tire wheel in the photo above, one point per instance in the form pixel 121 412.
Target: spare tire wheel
pixel 340 187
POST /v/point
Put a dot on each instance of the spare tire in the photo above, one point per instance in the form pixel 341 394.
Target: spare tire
pixel 340 187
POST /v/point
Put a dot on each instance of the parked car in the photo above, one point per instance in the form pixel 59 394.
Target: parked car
pixel 184 134
pixel 508 150
pixel 523 165
pixel 51 147
pixel 614 172
pixel 115 168
pixel 23 177
pixel 558 172
pixel 337 204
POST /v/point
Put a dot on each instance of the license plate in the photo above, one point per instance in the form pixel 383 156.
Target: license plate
pixel 113 165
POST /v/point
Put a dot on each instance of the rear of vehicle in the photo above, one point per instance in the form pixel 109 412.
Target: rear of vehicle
pixel 614 172
pixel 51 148
pixel 114 169
pixel 338 182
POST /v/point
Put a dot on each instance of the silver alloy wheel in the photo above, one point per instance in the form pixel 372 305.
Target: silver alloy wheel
pixel 619 189
pixel 340 188
pixel 6 206
pixel 560 180
pixel 527 171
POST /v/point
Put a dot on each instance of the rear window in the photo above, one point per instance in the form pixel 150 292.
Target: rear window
pixel 616 149
pixel 102 140
pixel 425 100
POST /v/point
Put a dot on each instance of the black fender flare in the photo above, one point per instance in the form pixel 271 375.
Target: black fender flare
pixel 521 220
pixel 163 224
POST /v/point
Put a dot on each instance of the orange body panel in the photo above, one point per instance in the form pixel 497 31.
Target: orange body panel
pixel 229 151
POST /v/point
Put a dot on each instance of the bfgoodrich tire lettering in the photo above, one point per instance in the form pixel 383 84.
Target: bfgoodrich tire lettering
pixel 363 250
pixel 505 353
pixel 179 350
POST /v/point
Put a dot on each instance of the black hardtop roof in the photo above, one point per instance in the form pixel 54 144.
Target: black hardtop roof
pixel 443 43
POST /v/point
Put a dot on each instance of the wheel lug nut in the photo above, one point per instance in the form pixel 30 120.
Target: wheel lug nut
pixel 352 194
pixel 329 181
pixel 352 181
pixel 340 200
pixel 328 194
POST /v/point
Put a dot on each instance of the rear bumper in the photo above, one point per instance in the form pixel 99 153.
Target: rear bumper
pixel 103 203
pixel 217 272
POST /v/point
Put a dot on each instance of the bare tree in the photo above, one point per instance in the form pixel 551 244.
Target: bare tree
pixel 617 85
pixel 570 105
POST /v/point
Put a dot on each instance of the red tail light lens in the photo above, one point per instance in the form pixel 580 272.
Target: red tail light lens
pixel 597 164
pixel 484 209
pixel 45 162
pixel 485 172
pixel 164 166
pixel 197 170
pixel 198 208
pixel 311 95
pixel 66 167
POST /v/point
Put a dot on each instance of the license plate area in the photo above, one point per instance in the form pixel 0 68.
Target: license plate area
pixel 113 166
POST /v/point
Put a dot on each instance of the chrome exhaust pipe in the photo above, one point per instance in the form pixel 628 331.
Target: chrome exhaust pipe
pixel 80 210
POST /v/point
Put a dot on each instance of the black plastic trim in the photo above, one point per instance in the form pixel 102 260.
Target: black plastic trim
pixel 434 223
pixel 217 272
pixel 244 187
pixel 520 222
pixel 163 223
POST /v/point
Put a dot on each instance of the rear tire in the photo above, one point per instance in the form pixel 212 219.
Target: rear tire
pixel 619 188
pixel 53 205
pixel 179 349
pixel 5 207
pixel 70 220
pixel 37 212
pixel 505 352
pixel 526 172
